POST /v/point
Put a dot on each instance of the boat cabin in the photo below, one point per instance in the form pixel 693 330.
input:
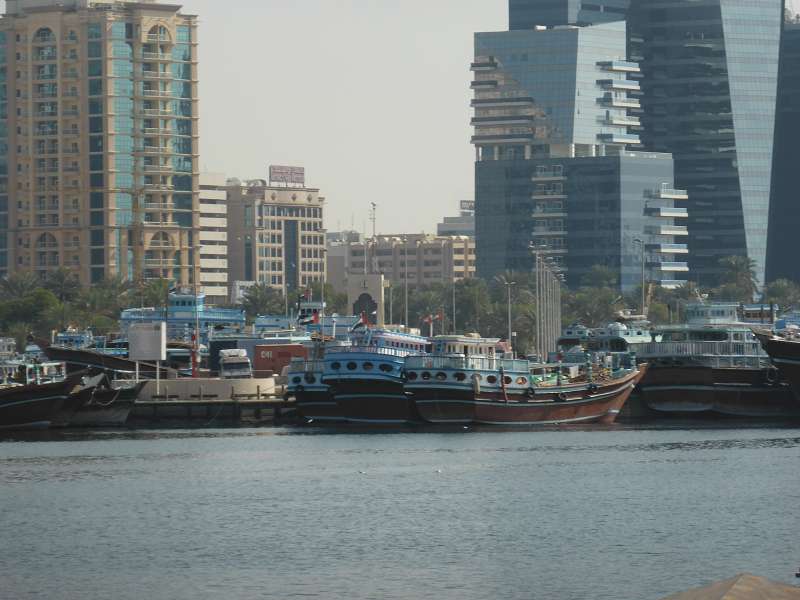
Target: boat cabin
pixel 466 345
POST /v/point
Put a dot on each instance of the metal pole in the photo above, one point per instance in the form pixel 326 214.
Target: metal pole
pixel 405 278
pixel 454 308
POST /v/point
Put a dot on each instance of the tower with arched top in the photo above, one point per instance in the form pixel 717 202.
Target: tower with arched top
pixel 99 140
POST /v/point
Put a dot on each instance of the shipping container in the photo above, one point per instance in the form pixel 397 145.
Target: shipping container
pixel 270 359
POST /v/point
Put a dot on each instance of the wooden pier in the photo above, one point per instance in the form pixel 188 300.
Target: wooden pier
pixel 207 411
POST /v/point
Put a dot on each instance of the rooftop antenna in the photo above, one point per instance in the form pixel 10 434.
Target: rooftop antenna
pixel 373 216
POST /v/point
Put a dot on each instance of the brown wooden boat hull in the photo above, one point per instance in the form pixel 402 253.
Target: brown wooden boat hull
pixel 373 401
pixel 707 392
pixel 34 406
pixel 785 354
pixel 565 404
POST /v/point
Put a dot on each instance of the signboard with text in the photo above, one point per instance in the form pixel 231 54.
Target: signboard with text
pixel 467 205
pixel 287 175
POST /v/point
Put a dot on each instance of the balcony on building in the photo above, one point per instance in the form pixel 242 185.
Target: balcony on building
pixel 155 74
pixel 668 266
pixel 667 212
pixel 514 101
pixel 158 168
pixel 668 248
pixel 671 230
pixel 503 120
pixel 511 138
pixel 613 102
pixel 619 66
pixel 666 192
pixel 618 138
pixel 157 56
pixel 621 85
pixel 488 64
pixel 622 121
pixel 548 173
pixel 487 84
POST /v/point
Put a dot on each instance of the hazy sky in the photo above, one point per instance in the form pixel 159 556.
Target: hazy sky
pixel 371 96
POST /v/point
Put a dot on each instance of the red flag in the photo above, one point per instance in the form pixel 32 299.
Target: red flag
pixel 315 317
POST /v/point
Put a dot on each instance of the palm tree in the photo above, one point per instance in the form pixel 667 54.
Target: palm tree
pixel 64 284
pixel 19 285
pixel 261 299
pixel 740 271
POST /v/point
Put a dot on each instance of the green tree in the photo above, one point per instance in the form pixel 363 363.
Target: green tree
pixel 65 286
pixel 261 299
pixel 18 285
pixel 600 276
pixel 739 281
pixel 783 292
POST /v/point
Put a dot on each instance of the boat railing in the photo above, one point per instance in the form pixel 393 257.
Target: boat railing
pixel 382 350
pixel 300 365
pixel 659 349
pixel 708 354
pixel 467 363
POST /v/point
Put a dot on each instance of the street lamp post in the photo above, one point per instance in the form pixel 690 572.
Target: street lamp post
pixel 641 243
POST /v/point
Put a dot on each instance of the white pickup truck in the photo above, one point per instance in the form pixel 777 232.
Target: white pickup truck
pixel 234 364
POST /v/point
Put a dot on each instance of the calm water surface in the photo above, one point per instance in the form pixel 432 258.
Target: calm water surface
pixel 620 514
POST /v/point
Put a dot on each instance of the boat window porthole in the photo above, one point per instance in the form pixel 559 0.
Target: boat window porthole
pixel 386 368
pixel 336 366
pixel 507 380
pixel 426 376
pixel 296 380
pixel 491 379
pixel 441 376
pixel 351 366
pixel 460 376
pixel 522 380
pixel 412 376
pixel 368 366
pixel 310 378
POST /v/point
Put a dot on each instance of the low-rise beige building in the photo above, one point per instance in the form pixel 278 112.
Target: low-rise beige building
pixel 421 259
pixel 275 234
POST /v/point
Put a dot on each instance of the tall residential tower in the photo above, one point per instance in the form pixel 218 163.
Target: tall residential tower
pixel 99 139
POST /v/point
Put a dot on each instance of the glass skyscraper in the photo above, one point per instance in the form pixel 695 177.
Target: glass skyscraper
pixel 784 222
pixel 527 14
pixel 710 73
pixel 557 171
pixel 99 140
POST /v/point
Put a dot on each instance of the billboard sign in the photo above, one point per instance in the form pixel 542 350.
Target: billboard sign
pixel 467 205
pixel 147 341
pixel 287 175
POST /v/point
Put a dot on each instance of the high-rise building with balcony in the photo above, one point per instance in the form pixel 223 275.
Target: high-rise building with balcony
pixel 710 80
pixel 99 139
pixel 558 168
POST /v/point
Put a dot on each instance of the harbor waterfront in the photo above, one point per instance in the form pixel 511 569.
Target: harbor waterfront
pixel 608 513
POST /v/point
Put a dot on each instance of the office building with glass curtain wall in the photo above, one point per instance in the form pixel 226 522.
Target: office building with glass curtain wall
pixel 101 139
pixel 558 170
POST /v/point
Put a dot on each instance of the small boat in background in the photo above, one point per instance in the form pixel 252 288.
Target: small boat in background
pixel 32 397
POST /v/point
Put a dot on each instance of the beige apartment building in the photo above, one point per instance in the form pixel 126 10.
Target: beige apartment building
pixel 421 259
pixel 99 139
pixel 275 234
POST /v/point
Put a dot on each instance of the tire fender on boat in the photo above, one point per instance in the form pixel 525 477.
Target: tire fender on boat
pixel 562 397
pixel 476 384
pixel 592 389
pixel 530 392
